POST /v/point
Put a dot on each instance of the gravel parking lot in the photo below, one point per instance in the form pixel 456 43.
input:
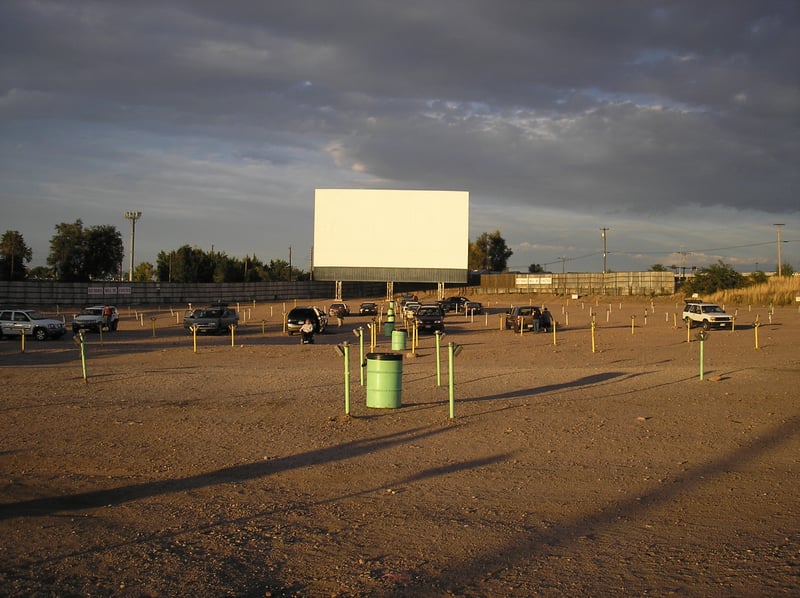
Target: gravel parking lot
pixel 570 467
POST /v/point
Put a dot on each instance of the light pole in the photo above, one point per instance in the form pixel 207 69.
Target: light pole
pixel 780 259
pixel 133 217
pixel 603 234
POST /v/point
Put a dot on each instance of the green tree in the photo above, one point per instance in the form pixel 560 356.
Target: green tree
pixel 81 255
pixel 185 264
pixel 278 270
pixel 14 254
pixel 144 272
pixel 227 269
pixel 254 270
pixel 67 252
pixel 658 268
pixel 489 252
pixel 535 269
pixel 104 251
pixel 715 277
pixel 786 269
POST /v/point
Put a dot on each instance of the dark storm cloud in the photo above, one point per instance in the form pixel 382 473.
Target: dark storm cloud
pixel 627 107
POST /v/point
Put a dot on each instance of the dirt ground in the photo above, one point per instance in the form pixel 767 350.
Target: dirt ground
pixel 234 470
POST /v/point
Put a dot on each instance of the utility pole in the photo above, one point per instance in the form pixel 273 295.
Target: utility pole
pixel 780 259
pixel 290 262
pixel 603 234
pixel 133 217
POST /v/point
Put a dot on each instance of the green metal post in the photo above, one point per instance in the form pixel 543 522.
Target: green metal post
pixel 83 357
pixel 361 353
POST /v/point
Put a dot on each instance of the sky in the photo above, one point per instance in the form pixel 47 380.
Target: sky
pixel 675 125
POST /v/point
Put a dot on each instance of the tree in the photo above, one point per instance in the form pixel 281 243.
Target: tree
pixel 786 269
pixel 658 268
pixel 535 269
pixel 104 251
pixel 41 273
pixel 144 272
pixel 81 255
pixel 715 277
pixel 185 264
pixel 758 277
pixel 14 254
pixel 67 251
pixel 489 252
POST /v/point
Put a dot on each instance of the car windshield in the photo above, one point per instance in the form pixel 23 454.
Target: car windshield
pixel 427 311
pixel 35 315
pixel 712 309
pixel 89 311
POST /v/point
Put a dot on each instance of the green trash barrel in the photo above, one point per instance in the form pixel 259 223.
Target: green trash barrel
pixel 384 379
pixel 388 328
pixel 398 340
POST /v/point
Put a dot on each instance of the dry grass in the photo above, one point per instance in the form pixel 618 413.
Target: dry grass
pixel 776 291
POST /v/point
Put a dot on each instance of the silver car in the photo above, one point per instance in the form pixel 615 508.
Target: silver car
pixel 16 322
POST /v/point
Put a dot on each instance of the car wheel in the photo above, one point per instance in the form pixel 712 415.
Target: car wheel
pixel 40 334
pixel 706 325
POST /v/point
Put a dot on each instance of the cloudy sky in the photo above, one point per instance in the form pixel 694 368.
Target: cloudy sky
pixel 674 124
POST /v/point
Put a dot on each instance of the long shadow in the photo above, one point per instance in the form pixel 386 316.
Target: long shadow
pixel 536 390
pixel 239 521
pixel 115 496
pixel 521 547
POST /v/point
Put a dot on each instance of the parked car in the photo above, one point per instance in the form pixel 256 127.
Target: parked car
pixel 521 315
pixel 214 319
pixel 338 310
pixel 92 318
pixel 409 309
pixel 408 297
pixel 473 307
pixel 429 318
pixel 455 303
pixel 16 322
pixel 708 315
pixel 368 308
pixel 297 317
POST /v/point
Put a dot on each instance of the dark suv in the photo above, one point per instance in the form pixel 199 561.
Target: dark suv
pixel 455 303
pixel 298 316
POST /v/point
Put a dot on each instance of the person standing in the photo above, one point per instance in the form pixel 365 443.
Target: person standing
pixel 546 320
